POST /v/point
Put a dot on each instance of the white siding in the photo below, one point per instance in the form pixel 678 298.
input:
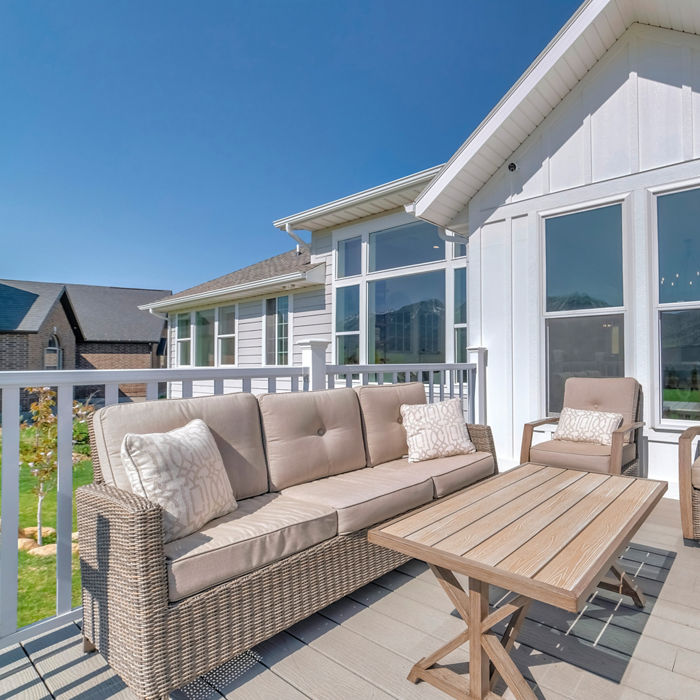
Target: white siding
pixel 250 333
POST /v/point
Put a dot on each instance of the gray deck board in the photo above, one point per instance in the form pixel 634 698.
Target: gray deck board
pixel 364 645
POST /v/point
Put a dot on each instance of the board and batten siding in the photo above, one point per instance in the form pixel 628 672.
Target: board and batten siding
pixel 632 125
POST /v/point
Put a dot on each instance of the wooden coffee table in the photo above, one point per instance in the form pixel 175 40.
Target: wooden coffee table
pixel 544 533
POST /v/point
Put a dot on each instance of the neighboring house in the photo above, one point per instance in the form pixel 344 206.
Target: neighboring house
pixel 73 326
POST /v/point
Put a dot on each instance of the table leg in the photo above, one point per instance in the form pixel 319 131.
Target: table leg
pixel 622 584
pixel 484 646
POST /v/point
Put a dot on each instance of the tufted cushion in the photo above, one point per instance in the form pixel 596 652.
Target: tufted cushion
pixel 611 394
pixel 385 436
pixel 309 435
pixel 233 419
pixel 578 455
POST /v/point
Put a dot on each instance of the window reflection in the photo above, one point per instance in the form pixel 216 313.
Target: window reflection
pixel 680 364
pixel 405 245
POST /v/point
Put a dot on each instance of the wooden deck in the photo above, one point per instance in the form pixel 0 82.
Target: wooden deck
pixel 364 645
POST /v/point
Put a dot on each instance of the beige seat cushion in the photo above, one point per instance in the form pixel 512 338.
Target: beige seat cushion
pixel 262 530
pixel 578 455
pixel 695 473
pixel 367 496
pixel 611 394
pixel 233 419
pixel 385 436
pixel 449 474
pixel 310 435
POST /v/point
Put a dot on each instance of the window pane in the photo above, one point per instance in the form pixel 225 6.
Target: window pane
pixel 183 325
pixel 347 349
pixel 282 330
pixel 460 250
pixel 204 338
pixel 227 351
pixel 347 308
pixel 405 245
pixel 460 344
pixel 461 295
pixel 183 353
pixel 582 346
pixel 407 319
pixel 584 259
pixel 350 257
pixel 680 364
pixel 227 320
pixel 679 246
pixel 270 331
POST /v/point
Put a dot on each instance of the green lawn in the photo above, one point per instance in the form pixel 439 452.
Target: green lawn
pixel 685 395
pixel 37 575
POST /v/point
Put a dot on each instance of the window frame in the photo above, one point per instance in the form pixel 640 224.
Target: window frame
pixel 659 307
pixel 627 228
pixel 189 339
pixel 290 339
pixel 192 314
pixel 363 230
pixel 218 336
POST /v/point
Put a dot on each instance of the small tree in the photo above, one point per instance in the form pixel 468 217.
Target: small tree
pixel 39 453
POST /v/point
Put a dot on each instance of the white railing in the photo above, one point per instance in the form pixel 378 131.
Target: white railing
pixel 441 380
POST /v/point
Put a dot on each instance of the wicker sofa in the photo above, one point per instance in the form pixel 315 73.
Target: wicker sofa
pixel 689 484
pixel 311 471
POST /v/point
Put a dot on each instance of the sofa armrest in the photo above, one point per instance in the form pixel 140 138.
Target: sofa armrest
pixel 528 429
pixel 482 437
pixel 685 484
pixel 122 562
pixel 618 442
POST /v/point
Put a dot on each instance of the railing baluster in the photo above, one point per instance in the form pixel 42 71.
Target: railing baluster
pixel 294 384
pixel 245 385
pixel 364 378
pixel 218 387
pixel 64 497
pixel 10 510
pixel 451 374
pixel 151 391
pixel 111 394
pixel 442 385
pixel 471 387
pixel 348 380
pixel 330 383
pixel 431 388
pixel 380 377
pixel 186 388
pixel 271 385
pixel 395 378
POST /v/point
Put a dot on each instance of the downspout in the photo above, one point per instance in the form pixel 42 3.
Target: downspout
pixel 290 231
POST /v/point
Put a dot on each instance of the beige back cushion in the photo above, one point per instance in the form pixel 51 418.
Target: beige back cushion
pixel 309 435
pixel 233 419
pixel 611 394
pixel 385 436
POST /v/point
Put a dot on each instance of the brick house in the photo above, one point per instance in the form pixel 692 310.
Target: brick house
pixel 47 325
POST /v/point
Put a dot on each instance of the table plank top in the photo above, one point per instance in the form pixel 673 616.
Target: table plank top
pixel 543 532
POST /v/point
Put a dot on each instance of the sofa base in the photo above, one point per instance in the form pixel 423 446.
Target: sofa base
pixel 202 632
pixel 695 500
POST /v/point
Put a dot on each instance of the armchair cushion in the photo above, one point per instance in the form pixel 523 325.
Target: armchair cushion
pixel 385 435
pixel 695 474
pixel 182 472
pixel 578 455
pixel 261 531
pixel 579 425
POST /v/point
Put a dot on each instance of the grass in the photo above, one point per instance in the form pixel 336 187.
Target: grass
pixel 684 395
pixel 37 575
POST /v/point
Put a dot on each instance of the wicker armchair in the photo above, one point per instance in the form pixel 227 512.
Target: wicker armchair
pixel 689 484
pixel 157 645
pixel 618 395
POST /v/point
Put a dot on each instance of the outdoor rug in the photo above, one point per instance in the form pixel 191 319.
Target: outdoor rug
pixel 602 637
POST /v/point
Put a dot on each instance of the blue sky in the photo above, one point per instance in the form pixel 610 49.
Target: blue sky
pixel 151 144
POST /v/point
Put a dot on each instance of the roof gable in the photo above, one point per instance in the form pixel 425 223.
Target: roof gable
pixel 25 305
pixel 592 30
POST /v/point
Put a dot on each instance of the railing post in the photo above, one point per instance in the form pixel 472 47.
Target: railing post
pixel 64 497
pixel 313 357
pixel 480 358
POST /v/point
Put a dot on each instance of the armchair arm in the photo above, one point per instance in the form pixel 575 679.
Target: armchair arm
pixel 685 484
pixel 482 438
pixel 528 429
pixel 122 564
pixel 618 441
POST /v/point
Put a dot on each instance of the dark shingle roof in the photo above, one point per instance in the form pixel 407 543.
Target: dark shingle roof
pixel 108 314
pixel 276 266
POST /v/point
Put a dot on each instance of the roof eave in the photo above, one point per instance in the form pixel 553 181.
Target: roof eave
pixel 314 276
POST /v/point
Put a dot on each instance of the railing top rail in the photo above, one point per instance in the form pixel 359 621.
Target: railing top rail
pixel 428 367
pixel 137 376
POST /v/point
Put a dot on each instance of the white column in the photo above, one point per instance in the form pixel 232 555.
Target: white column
pixel 313 358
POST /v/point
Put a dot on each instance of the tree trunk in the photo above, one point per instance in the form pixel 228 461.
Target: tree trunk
pixel 40 529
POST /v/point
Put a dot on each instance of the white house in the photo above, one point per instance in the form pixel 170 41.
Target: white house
pixel 579 195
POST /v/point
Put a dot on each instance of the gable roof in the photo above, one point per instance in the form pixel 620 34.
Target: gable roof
pixel 107 314
pixel 583 40
pixel 376 200
pixel 285 271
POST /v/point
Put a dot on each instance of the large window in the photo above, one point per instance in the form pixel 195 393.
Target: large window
pixel 183 334
pixel 400 246
pixel 678 227
pixel 583 275
pixel 406 319
pixel 226 334
pixel 277 331
pixel 350 257
pixel 460 314
pixel 204 338
pixel 347 324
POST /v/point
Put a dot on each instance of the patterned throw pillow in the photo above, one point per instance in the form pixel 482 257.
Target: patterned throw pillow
pixel 182 472
pixel 436 430
pixel 578 425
